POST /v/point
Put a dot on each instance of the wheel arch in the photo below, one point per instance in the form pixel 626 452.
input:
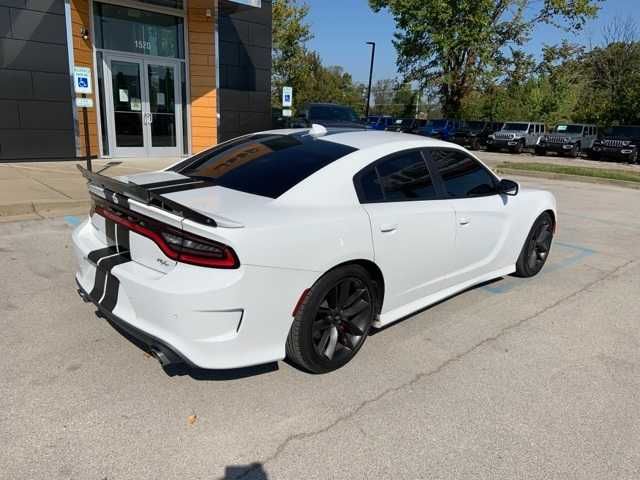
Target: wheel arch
pixel 373 269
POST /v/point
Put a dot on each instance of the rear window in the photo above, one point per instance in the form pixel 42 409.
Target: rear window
pixel 332 112
pixel 266 165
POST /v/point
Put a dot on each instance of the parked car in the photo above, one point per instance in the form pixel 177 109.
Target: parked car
pixel 516 136
pixel 327 115
pixel 407 125
pixel 379 123
pixel 441 128
pixel 474 133
pixel 618 143
pixel 297 244
pixel 568 139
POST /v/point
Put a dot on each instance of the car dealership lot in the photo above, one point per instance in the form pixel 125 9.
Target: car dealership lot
pixel 515 379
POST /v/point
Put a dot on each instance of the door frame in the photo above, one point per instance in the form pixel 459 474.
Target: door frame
pixel 147 150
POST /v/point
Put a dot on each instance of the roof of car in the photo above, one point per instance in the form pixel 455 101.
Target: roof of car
pixel 362 139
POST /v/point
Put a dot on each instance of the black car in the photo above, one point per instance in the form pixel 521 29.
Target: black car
pixel 407 125
pixel 327 115
pixel 618 143
pixel 474 133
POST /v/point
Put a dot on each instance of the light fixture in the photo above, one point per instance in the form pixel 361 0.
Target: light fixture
pixel 84 33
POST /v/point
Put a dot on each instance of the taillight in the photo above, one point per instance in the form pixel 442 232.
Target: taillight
pixel 177 244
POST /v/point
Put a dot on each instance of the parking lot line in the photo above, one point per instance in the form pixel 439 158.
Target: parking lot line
pixel 506 285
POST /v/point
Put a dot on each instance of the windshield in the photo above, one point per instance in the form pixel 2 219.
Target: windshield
pixel 515 126
pixel 332 112
pixel 623 131
pixel 373 120
pixel 263 164
pixel 437 123
pixel 568 129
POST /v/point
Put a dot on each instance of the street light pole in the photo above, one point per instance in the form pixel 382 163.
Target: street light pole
pixel 373 56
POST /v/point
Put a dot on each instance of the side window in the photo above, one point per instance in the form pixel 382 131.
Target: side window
pixel 403 177
pixel 462 175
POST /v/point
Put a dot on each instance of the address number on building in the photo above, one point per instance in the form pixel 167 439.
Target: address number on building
pixel 142 45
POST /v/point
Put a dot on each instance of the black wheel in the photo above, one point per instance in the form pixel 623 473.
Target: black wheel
pixel 536 248
pixel 475 144
pixel 633 158
pixel 595 156
pixel 575 151
pixel 519 148
pixel 541 152
pixel 334 320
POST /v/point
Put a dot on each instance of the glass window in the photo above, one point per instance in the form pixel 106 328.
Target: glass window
pixel 371 188
pixel 264 164
pixel 463 176
pixel 404 177
pixel 179 4
pixel 131 30
pixel 516 127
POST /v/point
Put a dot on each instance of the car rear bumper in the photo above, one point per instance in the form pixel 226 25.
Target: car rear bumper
pixel 207 317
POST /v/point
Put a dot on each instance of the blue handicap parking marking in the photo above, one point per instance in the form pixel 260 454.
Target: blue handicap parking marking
pixel 72 220
pixel 579 253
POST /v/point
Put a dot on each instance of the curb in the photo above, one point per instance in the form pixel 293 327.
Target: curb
pixel 569 177
pixel 43 208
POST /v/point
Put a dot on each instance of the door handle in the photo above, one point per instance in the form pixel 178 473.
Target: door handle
pixel 388 228
pixel 464 221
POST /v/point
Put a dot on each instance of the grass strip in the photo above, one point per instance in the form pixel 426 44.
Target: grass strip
pixel 574 170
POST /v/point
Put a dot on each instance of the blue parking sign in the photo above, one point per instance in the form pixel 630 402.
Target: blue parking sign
pixel 82 80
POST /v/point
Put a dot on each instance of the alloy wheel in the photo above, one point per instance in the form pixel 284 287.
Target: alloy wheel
pixel 343 319
pixel 539 246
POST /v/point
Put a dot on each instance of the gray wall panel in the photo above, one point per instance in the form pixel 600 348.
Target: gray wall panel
pixel 9 117
pixel 51 86
pixel 36 116
pixel 46 115
pixel 38 26
pixel 25 55
pixel 245 69
pixel 15 84
pixel 50 6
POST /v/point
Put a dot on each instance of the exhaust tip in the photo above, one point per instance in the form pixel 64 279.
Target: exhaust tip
pixel 159 355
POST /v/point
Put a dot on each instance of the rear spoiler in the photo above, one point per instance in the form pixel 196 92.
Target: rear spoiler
pixel 141 194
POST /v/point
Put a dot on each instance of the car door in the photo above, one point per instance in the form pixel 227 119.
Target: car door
pixel 482 215
pixel 413 232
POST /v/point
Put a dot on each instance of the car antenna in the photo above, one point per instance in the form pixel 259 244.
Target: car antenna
pixel 317 131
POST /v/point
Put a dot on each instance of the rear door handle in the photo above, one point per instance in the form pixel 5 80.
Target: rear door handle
pixel 388 228
pixel 464 221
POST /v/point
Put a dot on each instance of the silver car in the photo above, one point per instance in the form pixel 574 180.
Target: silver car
pixel 568 139
pixel 516 136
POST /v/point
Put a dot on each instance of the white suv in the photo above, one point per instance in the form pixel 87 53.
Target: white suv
pixel 516 136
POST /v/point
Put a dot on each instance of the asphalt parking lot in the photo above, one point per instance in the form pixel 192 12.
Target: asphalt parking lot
pixel 535 378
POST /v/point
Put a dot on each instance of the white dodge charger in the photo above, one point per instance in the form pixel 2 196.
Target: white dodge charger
pixel 297 242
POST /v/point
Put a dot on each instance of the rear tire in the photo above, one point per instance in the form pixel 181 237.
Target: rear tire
pixel 334 320
pixel 536 247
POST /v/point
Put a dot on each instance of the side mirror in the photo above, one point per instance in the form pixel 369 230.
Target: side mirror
pixel 508 187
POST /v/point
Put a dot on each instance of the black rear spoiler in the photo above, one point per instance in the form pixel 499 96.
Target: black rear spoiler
pixel 141 194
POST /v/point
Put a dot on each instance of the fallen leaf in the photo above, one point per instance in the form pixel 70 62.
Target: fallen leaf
pixel 192 419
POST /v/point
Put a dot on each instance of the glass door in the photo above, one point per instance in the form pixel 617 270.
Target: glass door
pixel 162 118
pixel 144 109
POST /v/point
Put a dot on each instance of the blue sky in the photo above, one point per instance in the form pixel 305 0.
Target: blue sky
pixel 341 28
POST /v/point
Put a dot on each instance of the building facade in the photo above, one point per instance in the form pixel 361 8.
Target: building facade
pixel 169 77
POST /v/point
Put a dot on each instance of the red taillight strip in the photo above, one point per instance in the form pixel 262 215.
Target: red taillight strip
pixel 230 260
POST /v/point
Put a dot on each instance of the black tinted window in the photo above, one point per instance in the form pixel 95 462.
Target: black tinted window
pixel 463 176
pixel 403 177
pixel 332 112
pixel 266 165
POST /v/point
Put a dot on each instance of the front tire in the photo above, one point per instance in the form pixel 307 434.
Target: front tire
pixel 541 152
pixel 536 248
pixel 334 320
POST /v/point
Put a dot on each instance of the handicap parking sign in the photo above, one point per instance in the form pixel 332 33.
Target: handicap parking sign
pixel 82 80
pixel 287 97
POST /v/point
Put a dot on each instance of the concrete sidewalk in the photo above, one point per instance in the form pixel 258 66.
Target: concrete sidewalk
pixel 48 189
pixel 45 189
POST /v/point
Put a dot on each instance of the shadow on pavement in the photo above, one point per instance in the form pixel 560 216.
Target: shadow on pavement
pixel 254 471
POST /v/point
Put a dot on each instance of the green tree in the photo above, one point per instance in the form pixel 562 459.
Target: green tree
pixel 453 42
pixel 290 56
